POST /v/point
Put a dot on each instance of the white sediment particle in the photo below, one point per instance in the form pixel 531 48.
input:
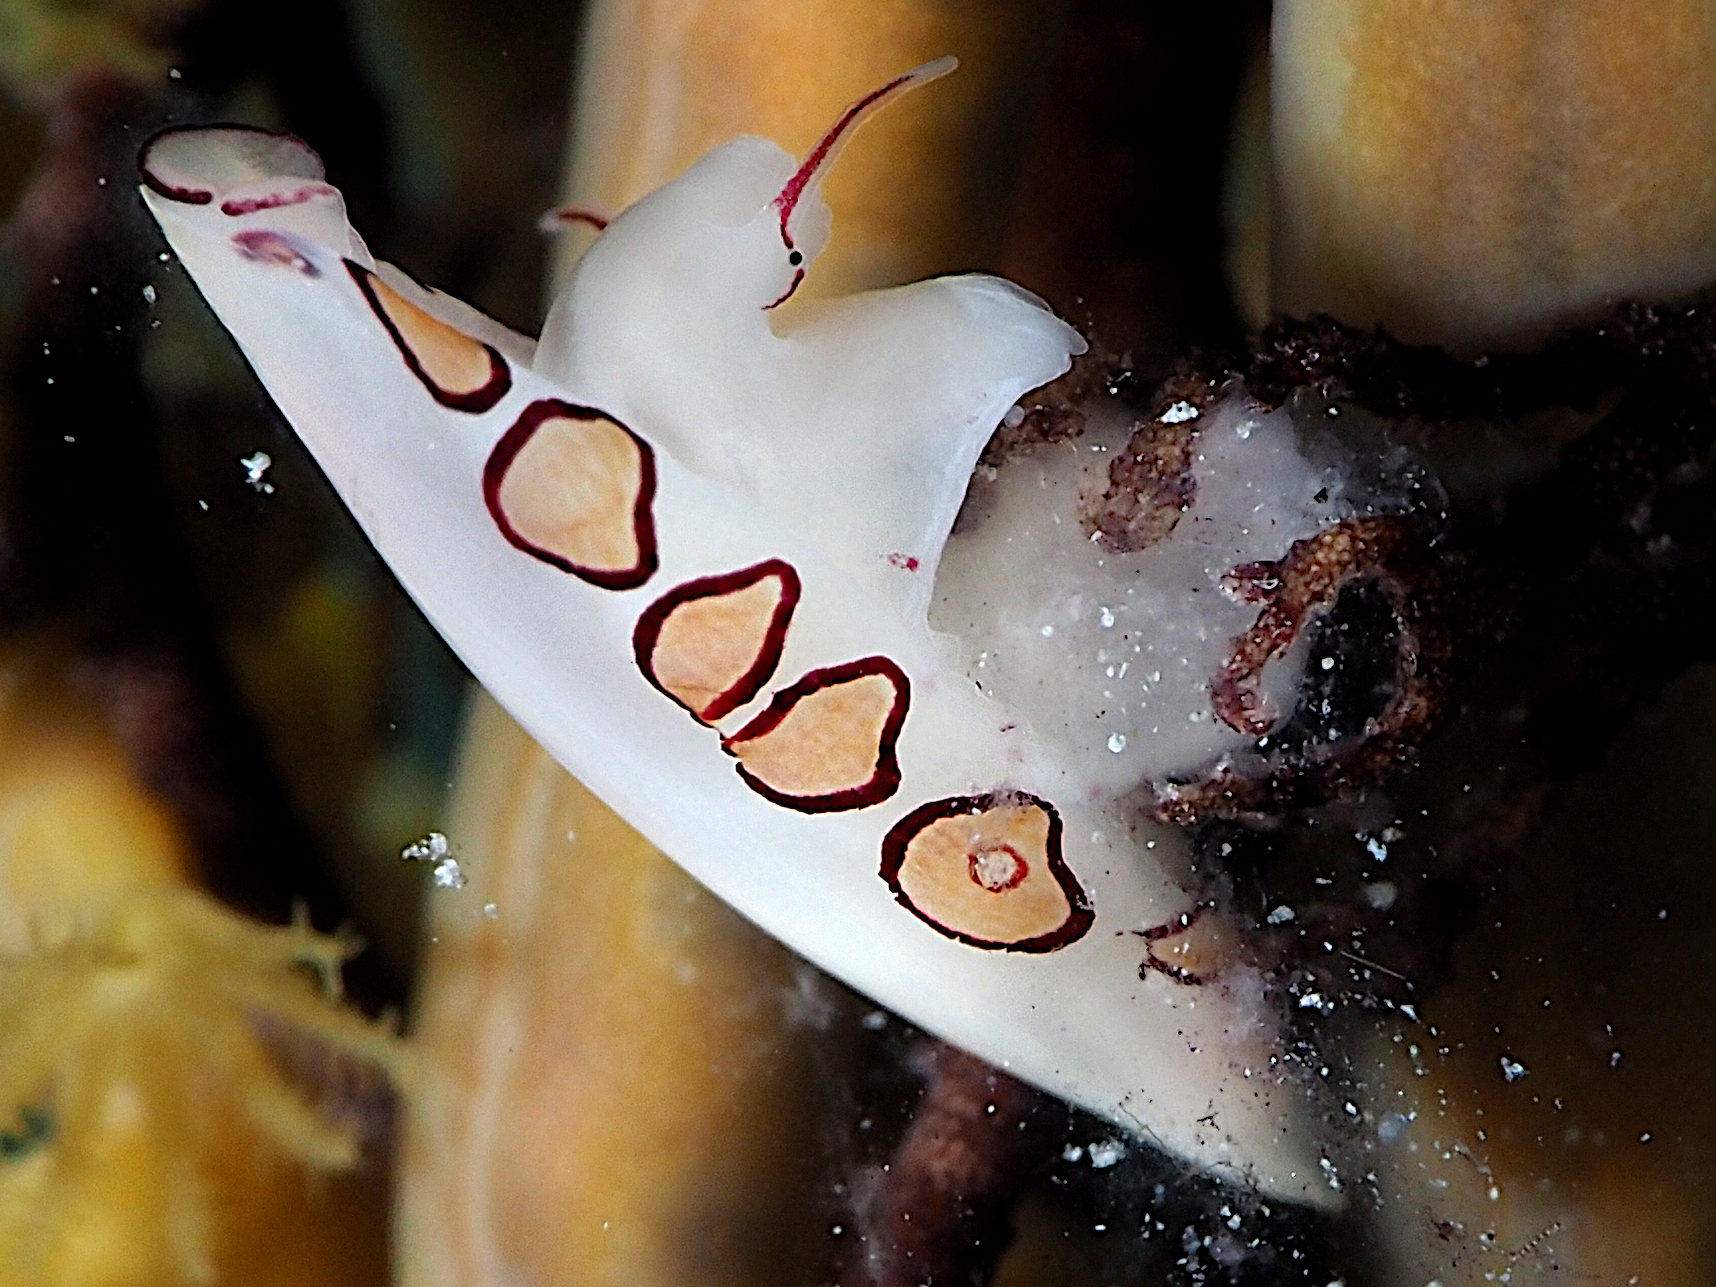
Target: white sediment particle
pixel 446 872
pixel 1011 569
pixel 1179 413
pixel 1281 915
pixel 255 466
pixel 1511 1069
pixel 431 848
pixel 1106 1153
pixel 1379 895
pixel 148 294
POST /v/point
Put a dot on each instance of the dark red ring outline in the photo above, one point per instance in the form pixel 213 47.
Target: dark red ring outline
pixel 883 782
pixel 477 400
pixel 1168 929
pixel 748 685
pixel 201 196
pixel 1080 915
pixel 643 522
pixel 309 190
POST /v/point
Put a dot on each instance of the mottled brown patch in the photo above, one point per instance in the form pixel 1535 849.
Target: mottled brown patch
pixel 1391 553
pixel 1150 483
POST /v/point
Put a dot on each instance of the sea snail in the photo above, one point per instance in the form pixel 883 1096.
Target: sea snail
pixel 689 538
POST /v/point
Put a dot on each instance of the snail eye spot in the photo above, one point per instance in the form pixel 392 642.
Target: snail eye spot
pixel 795 259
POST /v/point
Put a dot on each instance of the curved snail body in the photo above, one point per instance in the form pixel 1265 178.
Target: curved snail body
pixel 689 543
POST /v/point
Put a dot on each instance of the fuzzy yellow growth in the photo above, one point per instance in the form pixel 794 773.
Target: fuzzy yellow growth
pixel 136 1050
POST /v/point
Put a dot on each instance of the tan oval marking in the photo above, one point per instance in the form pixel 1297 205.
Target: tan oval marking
pixel 1192 948
pixel 573 487
pixel 987 871
pixel 458 371
pixel 713 643
pixel 827 742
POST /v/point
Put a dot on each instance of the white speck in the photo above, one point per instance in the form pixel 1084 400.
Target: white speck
pixel 1071 1153
pixel 491 911
pixel 1117 742
pixel 432 848
pixel 1328 663
pixel 203 505
pixel 1512 1069
pixel 148 294
pixel 1281 915
pixel 1179 413
pixel 1106 618
pixel 1015 416
pixel 1105 1153
pixel 448 874
pixel 1615 1059
pixel 875 1021
pixel 1048 631
pixel 1380 895
pixel 1316 1001
pixel 1378 850
pixel 173 73
pixel 255 466
pixel 1644 1138
pixel 1243 429
pixel 1329 1171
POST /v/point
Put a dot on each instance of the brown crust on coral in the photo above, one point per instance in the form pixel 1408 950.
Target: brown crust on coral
pixel 1057 412
pixel 1150 483
pixel 1390 552
pixel 1291 588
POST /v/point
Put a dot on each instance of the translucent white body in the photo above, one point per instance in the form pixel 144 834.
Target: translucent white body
pixel 841 444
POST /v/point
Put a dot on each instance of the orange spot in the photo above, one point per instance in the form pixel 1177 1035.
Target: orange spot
pixel 987 871
pixel 827 742
pixel 572 486
pixel 458 371
pixel 712 644
pixel 1193 948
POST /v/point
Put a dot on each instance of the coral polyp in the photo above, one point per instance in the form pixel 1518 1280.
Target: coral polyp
pixel 147 1038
